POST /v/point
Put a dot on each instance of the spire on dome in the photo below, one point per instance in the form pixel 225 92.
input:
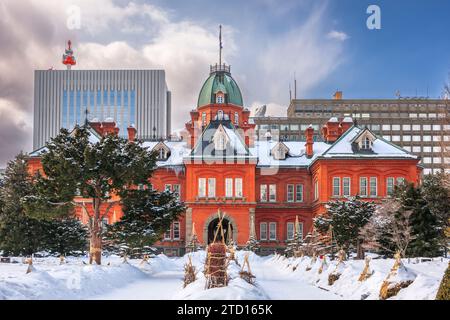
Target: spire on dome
pixel 68 57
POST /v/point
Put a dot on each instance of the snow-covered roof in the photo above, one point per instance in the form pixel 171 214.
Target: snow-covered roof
pixel 178 150
pixel 380 149
pixel 296 156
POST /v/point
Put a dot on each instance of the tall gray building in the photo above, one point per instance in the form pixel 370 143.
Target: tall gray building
pixel 419 125
pixel 63 98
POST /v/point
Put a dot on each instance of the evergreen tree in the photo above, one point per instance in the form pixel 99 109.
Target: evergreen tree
pixel 346 217
pixel 19 234
pixel 147 215
pixel 425 225
pixel 74 166
pixel 436 192
pixel 65 237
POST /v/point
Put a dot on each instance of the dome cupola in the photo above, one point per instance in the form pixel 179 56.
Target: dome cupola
pixel 220 87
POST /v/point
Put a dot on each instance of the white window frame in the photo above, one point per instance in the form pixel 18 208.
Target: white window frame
pixel 290 233
pixel 348 186
pixel 263 194
pixel 290 191
pixel 176 188
pixel 316 190
pixel 274 225
pixel 375 187
pixel 202 187
pixel 297 188
pixel 228 187
pixel 336 184
pixel 390 182
pixel 263 231
pixel 272 193
pixel 176 228
pixel 211 187
pixel 361 189
pixel 238 188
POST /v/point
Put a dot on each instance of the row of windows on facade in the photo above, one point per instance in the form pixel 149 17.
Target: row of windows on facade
pixel 267 231
pixel 405 115
pixel 416 138
pixel 119 105
pixel 174 188
pixel 207 187
pixel 394 138
pixel 373 127
pixel 368 186
pixel 222 116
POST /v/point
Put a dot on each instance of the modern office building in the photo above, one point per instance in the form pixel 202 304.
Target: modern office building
pixel 64 98
pixel 419 125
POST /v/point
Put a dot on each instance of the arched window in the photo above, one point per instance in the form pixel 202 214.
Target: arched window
pixel 220 115
pixel 220 98
pixel 236 119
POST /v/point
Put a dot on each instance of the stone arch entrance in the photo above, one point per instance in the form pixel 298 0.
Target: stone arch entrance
pixel 211 225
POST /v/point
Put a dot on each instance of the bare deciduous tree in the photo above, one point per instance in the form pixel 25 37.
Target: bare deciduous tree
pixel 391 223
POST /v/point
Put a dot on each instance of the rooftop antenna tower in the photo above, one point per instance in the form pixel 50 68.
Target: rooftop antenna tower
pixel 68 57
pixel 295 87
pixel 290 92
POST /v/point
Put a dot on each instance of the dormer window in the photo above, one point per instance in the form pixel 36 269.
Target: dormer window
pixel 162 151
pixel 280 151
pixel 220 97
pixel 221 142
pixel 364 141
pixel 220 139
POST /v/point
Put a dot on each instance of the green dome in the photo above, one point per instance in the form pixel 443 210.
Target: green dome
pixel 220 81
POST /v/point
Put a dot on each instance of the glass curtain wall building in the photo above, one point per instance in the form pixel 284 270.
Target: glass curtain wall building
pixel 64 98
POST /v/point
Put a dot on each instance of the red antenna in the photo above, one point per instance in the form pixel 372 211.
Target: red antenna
pixel 68 57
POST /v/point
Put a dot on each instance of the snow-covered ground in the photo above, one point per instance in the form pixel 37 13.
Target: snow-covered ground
pixel 162 278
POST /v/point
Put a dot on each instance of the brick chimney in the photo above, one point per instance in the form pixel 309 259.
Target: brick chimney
pixel 346 124
pixel 109 127
pixel 131 133
pixel 309 133
pixel 96 125
pixel 331 130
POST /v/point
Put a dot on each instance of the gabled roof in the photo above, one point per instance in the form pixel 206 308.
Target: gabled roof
pixel 381 148
pixel 205 147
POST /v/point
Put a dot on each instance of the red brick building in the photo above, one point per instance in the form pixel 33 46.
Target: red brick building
pixel 220 165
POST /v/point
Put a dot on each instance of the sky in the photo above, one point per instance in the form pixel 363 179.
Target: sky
pixel 325 44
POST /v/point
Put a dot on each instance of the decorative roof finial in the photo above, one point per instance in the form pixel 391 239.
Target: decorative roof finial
pixel 220 44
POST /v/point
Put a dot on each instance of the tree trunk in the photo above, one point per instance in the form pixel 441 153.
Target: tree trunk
pixel 95 251
pixel 359 250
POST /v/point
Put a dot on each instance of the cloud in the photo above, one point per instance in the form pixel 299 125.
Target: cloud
pixel 134 35
pixel 118 35
pixel 304 51
pixel 337 35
